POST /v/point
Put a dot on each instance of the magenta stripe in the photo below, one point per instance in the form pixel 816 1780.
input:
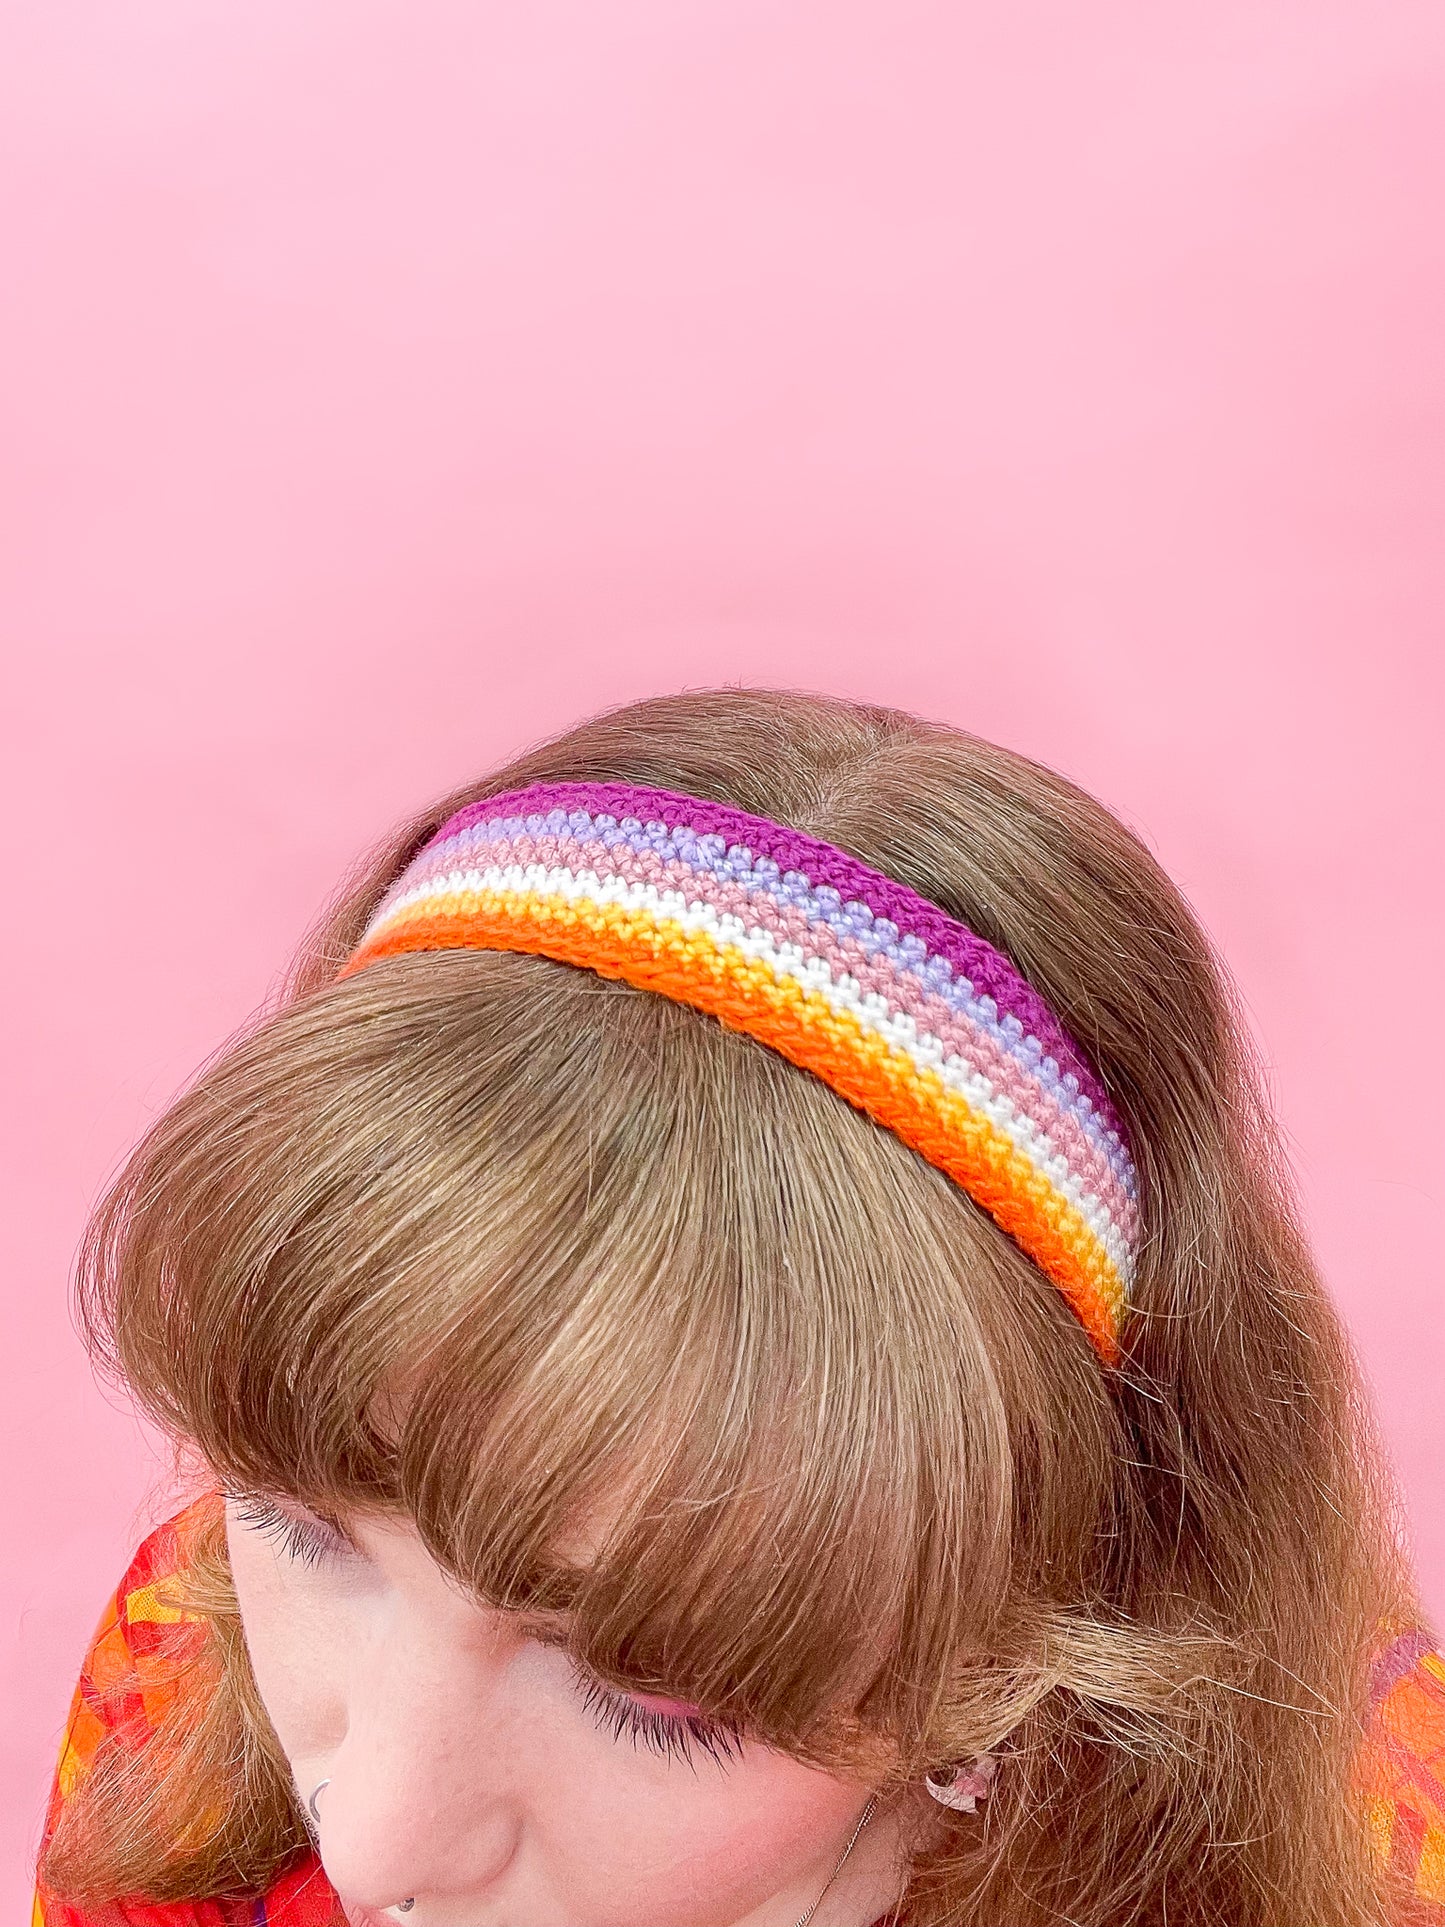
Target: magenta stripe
pixel 898 986
pixel 476 843
pixel 986 967
pixel 820 908
pixel 846 956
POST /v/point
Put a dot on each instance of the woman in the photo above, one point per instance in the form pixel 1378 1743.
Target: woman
pixel 750 1360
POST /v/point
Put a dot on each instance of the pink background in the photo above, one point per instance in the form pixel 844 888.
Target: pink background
pixel 384 385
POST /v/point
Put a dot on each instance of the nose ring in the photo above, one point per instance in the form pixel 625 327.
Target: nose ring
pixel 402 1906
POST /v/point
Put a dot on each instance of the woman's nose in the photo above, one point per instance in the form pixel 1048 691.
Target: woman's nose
pixel 417 1800
pixel 380 1846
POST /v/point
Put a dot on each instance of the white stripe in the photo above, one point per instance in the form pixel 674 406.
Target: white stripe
pixel 787 960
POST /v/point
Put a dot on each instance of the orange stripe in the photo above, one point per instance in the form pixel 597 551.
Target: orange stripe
pixel 688 967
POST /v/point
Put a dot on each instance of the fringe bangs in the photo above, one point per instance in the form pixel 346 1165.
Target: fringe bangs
pixel 635 1321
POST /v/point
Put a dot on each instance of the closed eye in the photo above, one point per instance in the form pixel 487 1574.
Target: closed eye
pixel 670 1728
pixel 301 1536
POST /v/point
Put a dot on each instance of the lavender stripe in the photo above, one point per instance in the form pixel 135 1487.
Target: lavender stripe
pixel 903 990
pixel 818 863
pixel 453 899
pixel 905 953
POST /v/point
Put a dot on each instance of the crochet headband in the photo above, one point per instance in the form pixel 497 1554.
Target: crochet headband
pixel 902 1009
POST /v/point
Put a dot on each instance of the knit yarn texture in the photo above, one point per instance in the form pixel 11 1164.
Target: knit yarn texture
pixel 900 1008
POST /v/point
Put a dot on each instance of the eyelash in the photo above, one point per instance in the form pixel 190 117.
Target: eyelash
pixel 298 1539
pixel 670 1735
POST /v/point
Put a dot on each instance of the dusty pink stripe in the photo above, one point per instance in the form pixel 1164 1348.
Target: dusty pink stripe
pixel 845 956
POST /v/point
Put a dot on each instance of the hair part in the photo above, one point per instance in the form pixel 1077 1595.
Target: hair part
pixel 540 1261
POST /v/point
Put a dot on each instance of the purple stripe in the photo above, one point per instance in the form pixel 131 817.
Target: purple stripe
pixel 478 825
pixel 817 862
pixel 899 986
pixel 479 843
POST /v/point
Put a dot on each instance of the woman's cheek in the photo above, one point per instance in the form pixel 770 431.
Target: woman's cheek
pixel 713 1851
pixel 296 1638
pixel 629 1836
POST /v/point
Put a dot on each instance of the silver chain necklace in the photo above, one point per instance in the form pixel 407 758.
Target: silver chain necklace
pixel 863 1819
pixel 405 1906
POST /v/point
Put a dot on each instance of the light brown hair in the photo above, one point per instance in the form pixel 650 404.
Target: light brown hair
pixel 496 1242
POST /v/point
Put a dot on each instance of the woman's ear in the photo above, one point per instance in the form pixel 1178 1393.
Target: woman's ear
pixel 962 1785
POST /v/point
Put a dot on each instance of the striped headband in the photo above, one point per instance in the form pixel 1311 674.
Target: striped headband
pixel 902 1009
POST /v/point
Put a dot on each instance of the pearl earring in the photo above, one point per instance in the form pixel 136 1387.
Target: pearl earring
pixel 962 1787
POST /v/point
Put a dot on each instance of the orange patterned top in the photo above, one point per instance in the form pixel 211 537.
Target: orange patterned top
pixel 125 1684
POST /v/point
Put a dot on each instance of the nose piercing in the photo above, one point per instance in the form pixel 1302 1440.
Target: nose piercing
pixel 402 1906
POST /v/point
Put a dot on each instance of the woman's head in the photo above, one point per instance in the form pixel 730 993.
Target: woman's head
pixel 631 1328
